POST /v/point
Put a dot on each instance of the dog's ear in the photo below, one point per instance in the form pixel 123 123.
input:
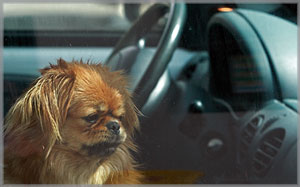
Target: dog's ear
pixel 33 123
pixel 130 119
pixel 132 112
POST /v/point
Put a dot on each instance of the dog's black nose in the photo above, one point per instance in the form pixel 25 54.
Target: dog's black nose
pixel 114 127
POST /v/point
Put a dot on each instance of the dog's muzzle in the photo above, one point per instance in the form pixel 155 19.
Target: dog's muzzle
pixel 113 127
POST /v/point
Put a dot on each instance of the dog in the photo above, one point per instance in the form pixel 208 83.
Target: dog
pixel 74 125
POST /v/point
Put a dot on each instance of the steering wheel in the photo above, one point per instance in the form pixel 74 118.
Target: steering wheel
pixel 140 64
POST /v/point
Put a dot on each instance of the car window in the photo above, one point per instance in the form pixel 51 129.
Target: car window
pixel 72 24
pixel 110 17
pixel 223 111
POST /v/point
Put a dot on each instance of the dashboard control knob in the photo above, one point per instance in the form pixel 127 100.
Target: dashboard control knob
pixel 196 107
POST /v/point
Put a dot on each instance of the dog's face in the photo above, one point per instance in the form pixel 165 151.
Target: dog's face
pixel 79 107
pixel 94 121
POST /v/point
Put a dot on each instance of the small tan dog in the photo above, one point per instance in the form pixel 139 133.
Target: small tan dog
pixel 74 125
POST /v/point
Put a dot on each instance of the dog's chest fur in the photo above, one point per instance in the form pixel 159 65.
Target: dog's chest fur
pixel 68 169
pixel 64 167
pixel 58 168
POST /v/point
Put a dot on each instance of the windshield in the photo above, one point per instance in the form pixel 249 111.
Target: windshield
pixel 114 17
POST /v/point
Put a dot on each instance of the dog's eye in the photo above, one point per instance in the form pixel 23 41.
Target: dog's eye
pixel 91 118
pixel 121 118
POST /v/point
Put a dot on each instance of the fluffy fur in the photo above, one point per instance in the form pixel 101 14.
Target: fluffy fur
pixel 57 131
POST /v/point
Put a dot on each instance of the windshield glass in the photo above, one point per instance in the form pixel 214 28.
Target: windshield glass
pixel 75 17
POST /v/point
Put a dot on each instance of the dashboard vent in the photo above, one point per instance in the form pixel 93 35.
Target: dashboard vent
pixel 268 123
pixel 268 148
pixel 248 133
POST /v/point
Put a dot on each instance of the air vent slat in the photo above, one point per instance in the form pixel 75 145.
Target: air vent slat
pixel 245 142
pixel 263 158
pixel 264 154
pixel 244 146
pixel 253 125
pixel 248 134
pixel 275 141
pixel 260 163
pixel 267 150
pixel 246 138
pixel 278 139
pixel 269 123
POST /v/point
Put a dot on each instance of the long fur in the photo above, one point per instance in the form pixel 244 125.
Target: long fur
pixel 36 148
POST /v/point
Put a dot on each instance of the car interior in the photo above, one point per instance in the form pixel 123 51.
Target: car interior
pixel 216 83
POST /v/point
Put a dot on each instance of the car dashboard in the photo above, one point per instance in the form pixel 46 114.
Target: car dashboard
pixel 267 144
